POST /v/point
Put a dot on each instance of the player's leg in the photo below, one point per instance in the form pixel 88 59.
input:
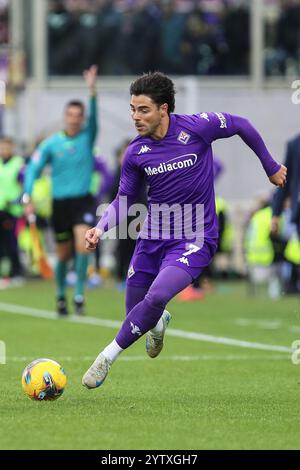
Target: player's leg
pixel 64 248
pixel 83 219
pixel 135 292
pixel 9 243
pixel 147 314
pixel 143 268
pixel 64 254
pixel 143 317
pixel 134 295
pixel 193 259
pixel 81 265
pixel 16 268
pixel 138 283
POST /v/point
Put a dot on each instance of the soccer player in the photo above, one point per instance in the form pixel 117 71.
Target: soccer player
pixel 173 152
pixel 70 155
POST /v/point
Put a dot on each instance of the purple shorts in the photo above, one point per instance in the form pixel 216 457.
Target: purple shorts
pixel 151 256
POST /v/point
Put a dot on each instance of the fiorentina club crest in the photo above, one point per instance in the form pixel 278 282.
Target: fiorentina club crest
pixel 184 137
pixel 131 272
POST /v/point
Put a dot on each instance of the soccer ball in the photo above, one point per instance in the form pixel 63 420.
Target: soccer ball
pixel 44 379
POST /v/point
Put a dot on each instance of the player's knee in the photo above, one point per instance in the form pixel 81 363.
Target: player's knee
pixel 157 298
pixel 64 255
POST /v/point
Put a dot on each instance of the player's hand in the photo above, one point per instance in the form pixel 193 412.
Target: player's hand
pixel 275 225
pixel 90 77
pixel 92 238
pixel 279 178
pixel 29 210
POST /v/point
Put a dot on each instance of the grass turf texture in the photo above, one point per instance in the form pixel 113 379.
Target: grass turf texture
pixel 221 397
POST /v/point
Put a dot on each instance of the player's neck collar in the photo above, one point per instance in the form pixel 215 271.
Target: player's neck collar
pixel 66 134
pixel 170 129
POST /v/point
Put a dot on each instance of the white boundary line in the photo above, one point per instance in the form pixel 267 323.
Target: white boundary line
pixel 34 312
pixel 203 357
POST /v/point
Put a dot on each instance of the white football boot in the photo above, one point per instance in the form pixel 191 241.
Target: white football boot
pixel 97 373
pixel 155 341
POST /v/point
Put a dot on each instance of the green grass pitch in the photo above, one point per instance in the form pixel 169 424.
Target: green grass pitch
pixel 196 395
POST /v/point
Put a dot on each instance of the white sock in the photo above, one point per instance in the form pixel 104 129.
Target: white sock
pixel 112 351
pixel 158 327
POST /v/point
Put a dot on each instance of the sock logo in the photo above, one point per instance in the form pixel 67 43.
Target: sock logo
pixel 135 329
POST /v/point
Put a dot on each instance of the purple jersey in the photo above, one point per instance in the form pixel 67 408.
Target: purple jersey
pixel 179 168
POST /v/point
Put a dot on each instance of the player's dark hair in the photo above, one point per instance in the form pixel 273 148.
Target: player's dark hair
pixel 77 104
pixel 157 86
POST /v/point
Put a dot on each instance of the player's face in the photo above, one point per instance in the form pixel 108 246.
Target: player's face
pixel 74 119
pixel 6 149
pixel 147 115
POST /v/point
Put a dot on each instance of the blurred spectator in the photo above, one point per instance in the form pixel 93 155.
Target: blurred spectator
pixel 11 209
pixel 172 28
pixel 140 35
pixel 4 22
pixel 282 55
pixel 107 35
pixel 199 45
pixel 273 257
pixel 259 251
pixel 290 270
pixel 291 189
pixel 236 28
pixel 290 192
pixel 71 36
pixel 126 37
pixel 288 32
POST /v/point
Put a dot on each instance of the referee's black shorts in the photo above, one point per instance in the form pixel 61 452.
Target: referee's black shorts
pixel 70 212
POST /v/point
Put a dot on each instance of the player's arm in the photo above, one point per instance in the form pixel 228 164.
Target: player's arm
pixel 130 184
pixel 40 158
pixel 277 173
pixel 90 77
pixel 223 125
